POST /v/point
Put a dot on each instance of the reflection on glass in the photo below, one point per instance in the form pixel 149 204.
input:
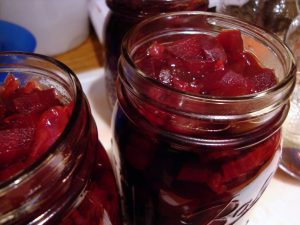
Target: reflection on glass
pixel 273 15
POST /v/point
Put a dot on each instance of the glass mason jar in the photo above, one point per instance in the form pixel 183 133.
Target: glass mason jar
pixel 123 16
pixel 187 158
pixel 272 15
pixel 73 181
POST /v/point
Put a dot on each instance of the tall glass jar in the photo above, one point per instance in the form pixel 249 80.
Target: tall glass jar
pixel 73 181
pixel 272 15
pixel 123 16
pixel 187 158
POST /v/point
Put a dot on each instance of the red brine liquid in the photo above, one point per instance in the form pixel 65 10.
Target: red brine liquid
pixel 176 169
pixel 32 119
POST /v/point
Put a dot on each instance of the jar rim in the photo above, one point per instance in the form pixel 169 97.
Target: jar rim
pixel 291 69
pixel 25 173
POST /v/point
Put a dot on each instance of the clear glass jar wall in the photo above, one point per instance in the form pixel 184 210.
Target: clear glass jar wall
pixel 184 158
pixel 124 15
pixel 72 182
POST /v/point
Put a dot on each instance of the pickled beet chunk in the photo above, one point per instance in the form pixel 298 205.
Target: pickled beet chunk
pixel 252 160
pixel 261 78
pixel 231 171
pixel 11 84
pixel 232 42
pixel 19 121
pixel 50 126
pixel 264 80
pixel 192 59
pixel 15 144
pixel 227 83
pixel 36 101
pixel 198 48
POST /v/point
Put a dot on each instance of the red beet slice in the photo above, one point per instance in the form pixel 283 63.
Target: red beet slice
pixel 36 101
pixel 20 121
pixel 252 160
pixel 50 126
pixel 11 84
pixel 198 48
pixel 263 80
pixel 232 42
pixel 15 144
pixel 229 83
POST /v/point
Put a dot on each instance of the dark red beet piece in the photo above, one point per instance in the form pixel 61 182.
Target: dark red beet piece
pixel 251 160
pixel 231 41
pixel 19 121
pixel 50 126
pixel 11 84
pixel 263 80
pixel 198 48
pixel 228 83
pixel 15 144
pixel 30 87
pixel 36 101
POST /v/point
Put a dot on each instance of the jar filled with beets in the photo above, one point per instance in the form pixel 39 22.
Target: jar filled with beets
pixel 197 125
pixel 124 14
pixel 53 170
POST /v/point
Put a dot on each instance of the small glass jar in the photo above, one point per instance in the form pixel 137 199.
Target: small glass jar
pixel 196 159
pixel 73 181
pixel 272 15
pixel 123 16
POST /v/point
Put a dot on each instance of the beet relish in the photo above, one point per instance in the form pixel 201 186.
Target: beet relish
pixel 196 131
pixel 53 170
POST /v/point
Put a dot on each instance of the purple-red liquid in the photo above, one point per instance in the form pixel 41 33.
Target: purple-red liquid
pixel 174 169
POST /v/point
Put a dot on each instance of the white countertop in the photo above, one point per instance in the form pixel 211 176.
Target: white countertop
pixel 279 205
